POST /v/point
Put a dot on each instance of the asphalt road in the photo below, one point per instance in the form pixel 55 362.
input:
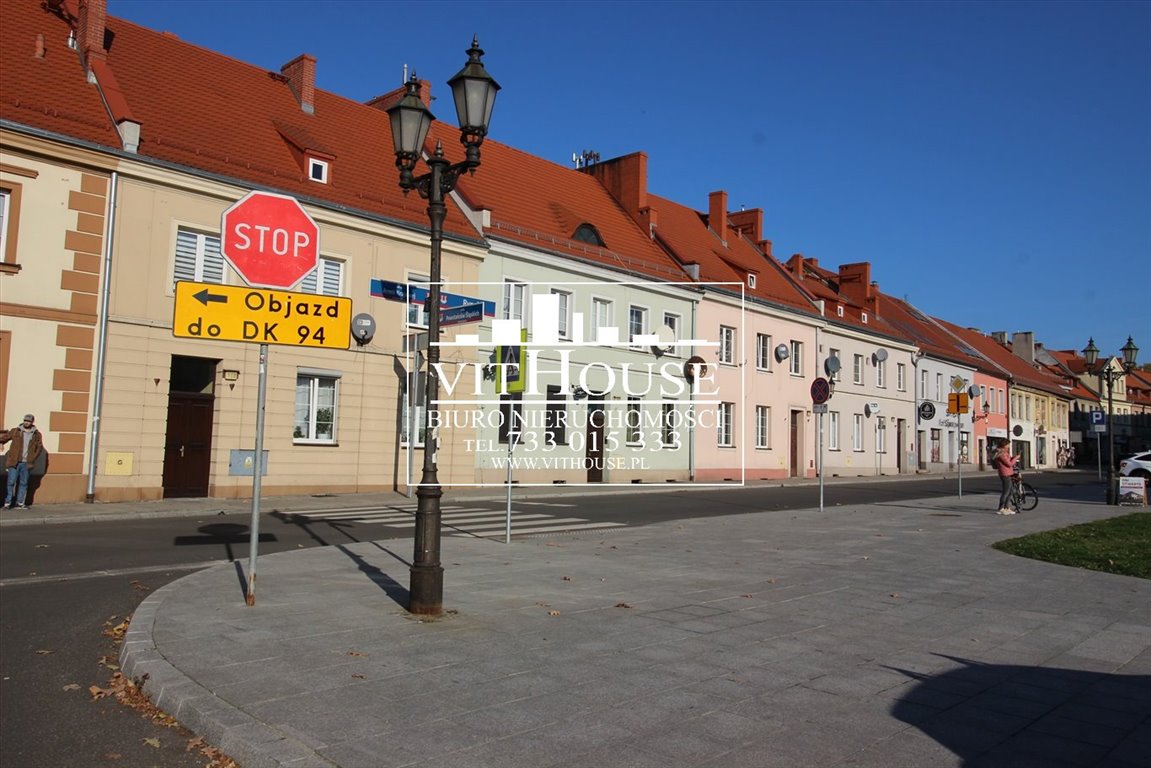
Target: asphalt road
pixel 62 585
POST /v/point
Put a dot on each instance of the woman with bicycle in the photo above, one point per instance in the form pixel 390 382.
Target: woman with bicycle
pixel 1004 463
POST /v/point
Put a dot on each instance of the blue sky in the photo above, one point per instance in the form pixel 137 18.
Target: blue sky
pixel 991 160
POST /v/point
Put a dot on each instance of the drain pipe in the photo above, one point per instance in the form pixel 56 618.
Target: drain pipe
pixel 102 339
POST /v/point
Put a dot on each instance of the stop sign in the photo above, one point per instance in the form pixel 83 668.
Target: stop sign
pixel 270 240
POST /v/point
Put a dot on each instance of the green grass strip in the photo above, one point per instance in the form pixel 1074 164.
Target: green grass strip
pixel 1119 545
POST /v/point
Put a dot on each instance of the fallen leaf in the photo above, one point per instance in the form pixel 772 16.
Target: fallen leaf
pixel 358 677
pixel 553 613
pixel 72 687
pixel 622 605
pixel 41 546
pixel 152 742
pixel 895 594
pixel 567 578
pixel 196 743
pixel 748 595
pixel 43 652
pixel 355 653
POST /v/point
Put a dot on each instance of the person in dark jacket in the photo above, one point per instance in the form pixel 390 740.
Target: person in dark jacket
pixel 25 446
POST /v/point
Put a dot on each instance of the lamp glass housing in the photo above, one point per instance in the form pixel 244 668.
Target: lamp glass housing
pixel 410 120
pixel 474 92
pixel 1091 353
pixel 1130 353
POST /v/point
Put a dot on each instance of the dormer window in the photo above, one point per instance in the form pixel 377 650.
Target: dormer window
pixel 586 233
pixel 750 280
pixel 318 170
pixel 839 310
pixel 863 317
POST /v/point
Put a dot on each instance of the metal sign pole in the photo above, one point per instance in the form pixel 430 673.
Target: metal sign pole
pixel 257 477
pixel 820 462
pixel 508 518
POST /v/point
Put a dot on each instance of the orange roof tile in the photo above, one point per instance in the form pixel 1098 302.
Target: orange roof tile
pixel 211 114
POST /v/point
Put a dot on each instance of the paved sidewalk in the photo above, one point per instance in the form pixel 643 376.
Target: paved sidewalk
pixel 878 635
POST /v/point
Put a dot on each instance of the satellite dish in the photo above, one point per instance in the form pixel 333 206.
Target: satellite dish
pixel 832 365
pixel 871 408
pixel 782 352
pixel 666 336
pixel 363 328
pixel 693 364
pixel 973 391
pixel 880 354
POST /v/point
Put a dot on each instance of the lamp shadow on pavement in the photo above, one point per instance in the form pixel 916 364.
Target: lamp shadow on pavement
pixel 1006 714
pixel 376 575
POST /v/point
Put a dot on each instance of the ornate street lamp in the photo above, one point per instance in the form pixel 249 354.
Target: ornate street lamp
pixel 474 92
pixel 1110 375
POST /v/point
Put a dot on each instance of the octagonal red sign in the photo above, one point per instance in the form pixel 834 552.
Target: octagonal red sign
pixel 270 240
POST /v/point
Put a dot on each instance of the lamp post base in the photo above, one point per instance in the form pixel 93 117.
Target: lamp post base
pixel 427 590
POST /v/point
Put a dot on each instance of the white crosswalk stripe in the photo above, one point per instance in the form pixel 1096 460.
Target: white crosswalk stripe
pixel 459 521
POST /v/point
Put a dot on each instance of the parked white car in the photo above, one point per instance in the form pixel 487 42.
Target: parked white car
pixel 1138 465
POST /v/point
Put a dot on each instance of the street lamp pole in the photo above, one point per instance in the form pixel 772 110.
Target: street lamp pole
pixel 1110 375
pixel 474 92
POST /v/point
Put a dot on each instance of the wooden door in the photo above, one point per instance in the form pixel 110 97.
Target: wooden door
pixel 188 445
pixel 793 460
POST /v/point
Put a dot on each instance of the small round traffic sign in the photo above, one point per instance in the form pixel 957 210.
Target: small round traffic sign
pixel 270 240
pixel 820 390
pixel 926 411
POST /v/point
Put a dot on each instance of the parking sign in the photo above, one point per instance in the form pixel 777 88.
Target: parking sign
pixel 1098 421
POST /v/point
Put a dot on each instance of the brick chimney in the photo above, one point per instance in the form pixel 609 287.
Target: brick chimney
pixel 717 214
pixel 795 266
pixel 625 179
pixel 1023 345
pixel 90 28
pixel 301 75
pixel 749 224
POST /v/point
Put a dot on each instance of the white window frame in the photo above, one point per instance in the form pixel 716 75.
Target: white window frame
pixel 833 431
pixel 669 421
pixel 750 280
pixel 901 377
pixel 880 438
pixel 939 387
pixel 724 423
pixel 315 164
pixel 676 326
pixel 726 345
pixel 416 313
pixel 407 401
pixel 602 316
pixel 5 222
pixel 857 369
pixel 923 385
pixel 643 313
pixel 207 262
pixel 330 284
pixel 565 312
pixel 515 301
pixel 316 381
pixel 795 359
pixel 881 374
pixel 835 377
pixel 857 432
pixel 763 352
pixel 763 427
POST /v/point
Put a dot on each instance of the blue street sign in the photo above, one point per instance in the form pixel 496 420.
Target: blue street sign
pixel 469 313
pixel 1098 417
pixel 414 294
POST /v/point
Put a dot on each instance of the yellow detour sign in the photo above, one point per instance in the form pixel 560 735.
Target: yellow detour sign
pixel 957 402
pixel 261 316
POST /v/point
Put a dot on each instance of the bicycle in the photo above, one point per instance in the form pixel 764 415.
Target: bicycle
pixel 1023 497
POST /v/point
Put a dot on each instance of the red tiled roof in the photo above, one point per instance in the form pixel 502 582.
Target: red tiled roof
pixel 204 111
pixel 1021 372
pixel 47 92
pixel 686 234
pixel 929 336
pixel 540 204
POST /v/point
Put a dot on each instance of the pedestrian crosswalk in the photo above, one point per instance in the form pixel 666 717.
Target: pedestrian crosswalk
pixel 478 521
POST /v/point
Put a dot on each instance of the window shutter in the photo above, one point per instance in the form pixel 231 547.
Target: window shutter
pixel 185 255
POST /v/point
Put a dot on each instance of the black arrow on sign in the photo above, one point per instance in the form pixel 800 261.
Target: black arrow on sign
pixel 204 297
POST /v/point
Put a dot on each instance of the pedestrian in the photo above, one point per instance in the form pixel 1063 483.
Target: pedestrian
pixel 1004 464
pixel 26 446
